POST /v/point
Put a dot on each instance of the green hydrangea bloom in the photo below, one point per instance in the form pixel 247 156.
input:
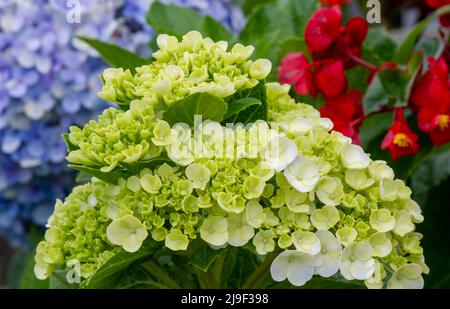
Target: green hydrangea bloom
pixel 306 189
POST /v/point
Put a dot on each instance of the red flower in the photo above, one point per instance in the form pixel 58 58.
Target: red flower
pixel 322 28
pixel 326 39
pixel 437 124
pixel 333 2
pixel 432 89
pixel 346 113
pixel 400 140
pixel 296 70
pixel 330 78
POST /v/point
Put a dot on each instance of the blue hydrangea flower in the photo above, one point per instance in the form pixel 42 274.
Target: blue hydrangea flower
pixel 49 81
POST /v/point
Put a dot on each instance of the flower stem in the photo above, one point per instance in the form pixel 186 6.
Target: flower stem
pixel 364 63
pixel 262 270
pixel 156 271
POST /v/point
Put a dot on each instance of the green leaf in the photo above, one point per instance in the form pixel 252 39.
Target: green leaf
pixel 240 264
pixel 69 145
pixel 378 47
pixel 392 86
pixel 116 56
pixel 203 257
pixel 373 126
pixel 261 112
pixel 357 78
pixel 110 273
pixel 431 47
pixel 270 24
pixel 432 171
pixel 238 106
pixel 110 177
pixel 406 48
pixel 204 104
pixel 136 167
pixel 173 20
pixel 375 97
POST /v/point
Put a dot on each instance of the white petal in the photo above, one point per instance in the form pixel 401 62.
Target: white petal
pixel 301 269
pixel 329 266
pixel 362 270
pixel 279 267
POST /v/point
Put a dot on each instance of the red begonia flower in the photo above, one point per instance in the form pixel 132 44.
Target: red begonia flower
pixel 346 113
pixel 440 129
pixel 295 70
pixel 333 2
pixel 347 43
pixel 322 28
pixel 432 90
pixel 400 140
pixel 330 78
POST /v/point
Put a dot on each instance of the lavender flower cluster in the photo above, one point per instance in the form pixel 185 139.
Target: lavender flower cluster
pixel 49 81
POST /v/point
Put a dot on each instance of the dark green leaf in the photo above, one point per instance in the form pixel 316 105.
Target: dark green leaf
pixel 378 47
pixel 110 273
pixel 406 48
pixel 69 145
pixel 110 177
pixel 373 126
pixel 270 24
pixel 375 97
pixel 203 257
pixel 116 56
pixel 250 115
pixel 358 77
pixel 432 171
pixel 173 20
pixel 436 240
pixel 392 86
pixel 204 104
pixel 238 106
pixel 136 167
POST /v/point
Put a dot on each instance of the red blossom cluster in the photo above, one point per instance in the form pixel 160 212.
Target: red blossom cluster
pixel 334 48
pixel 430 99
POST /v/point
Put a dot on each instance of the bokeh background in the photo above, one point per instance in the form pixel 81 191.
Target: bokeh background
pixel 49 80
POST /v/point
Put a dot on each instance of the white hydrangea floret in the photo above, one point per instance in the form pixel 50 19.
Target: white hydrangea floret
pixel 297 267
pixel 128 232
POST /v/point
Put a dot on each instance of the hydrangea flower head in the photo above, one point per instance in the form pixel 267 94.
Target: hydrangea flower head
pixel 308 192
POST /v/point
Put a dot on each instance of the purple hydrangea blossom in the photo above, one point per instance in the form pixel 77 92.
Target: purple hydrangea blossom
pixel 49 80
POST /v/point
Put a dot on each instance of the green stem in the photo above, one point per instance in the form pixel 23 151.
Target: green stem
pixel 262 270
pixel 156 271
